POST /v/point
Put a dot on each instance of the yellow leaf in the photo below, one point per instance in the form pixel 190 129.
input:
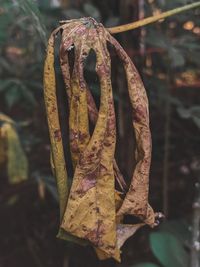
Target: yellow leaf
pixel 11 152
pixel 93 211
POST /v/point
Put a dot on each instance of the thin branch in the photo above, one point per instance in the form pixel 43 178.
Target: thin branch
pixel 195 249
pixel 166 162
pixel 149 20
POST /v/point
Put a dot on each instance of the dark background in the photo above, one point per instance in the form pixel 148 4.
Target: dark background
pixel 167 55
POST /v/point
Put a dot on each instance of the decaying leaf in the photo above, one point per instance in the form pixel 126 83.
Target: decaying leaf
pixel 11 152
pixel 93 210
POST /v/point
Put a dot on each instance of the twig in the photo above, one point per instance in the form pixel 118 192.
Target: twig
pixel 195 249
pixel 66 261
pixel 166 155
pixel 149 20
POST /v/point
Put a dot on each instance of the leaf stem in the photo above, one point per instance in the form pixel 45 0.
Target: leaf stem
pixel 149 20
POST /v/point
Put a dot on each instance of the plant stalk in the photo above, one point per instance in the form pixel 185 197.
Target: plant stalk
pixel 195 250
pixel 149 20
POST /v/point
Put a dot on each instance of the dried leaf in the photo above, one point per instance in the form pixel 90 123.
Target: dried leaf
pixel 125 231
pixel 93 211
pixel 54 125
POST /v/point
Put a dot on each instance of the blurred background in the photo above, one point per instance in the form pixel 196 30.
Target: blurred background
pixel 167 56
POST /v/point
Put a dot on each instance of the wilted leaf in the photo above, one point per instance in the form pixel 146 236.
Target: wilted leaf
pixel 94 211
pixel 125 231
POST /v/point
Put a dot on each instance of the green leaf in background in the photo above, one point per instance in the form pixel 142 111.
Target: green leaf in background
pixel 145 264
pixel 92 11
pixel 178 228
pixel 30 8
pixel 5 19
pixel 176 57
pixel 12 96
pixel 112 21
pixel 72 13
pixel 27 95
pixel 15 92
pixel 157 39
pixel 168 250
pixel 190 113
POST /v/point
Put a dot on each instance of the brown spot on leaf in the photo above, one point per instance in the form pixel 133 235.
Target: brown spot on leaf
pixel 139 114
pixel 87 182
pixel 57 135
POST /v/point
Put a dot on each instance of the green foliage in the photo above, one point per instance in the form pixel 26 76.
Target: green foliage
pixel 23 35
pixel 6 18
pixel 168 244
pixel 16 91
pixel 154 38
pixel 178 228
pixel 31 10
pixel 192 113
pixel 92 11
pixel 146 264
pixel 168 250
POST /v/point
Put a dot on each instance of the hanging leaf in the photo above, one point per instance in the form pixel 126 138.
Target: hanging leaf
pixel 93 210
